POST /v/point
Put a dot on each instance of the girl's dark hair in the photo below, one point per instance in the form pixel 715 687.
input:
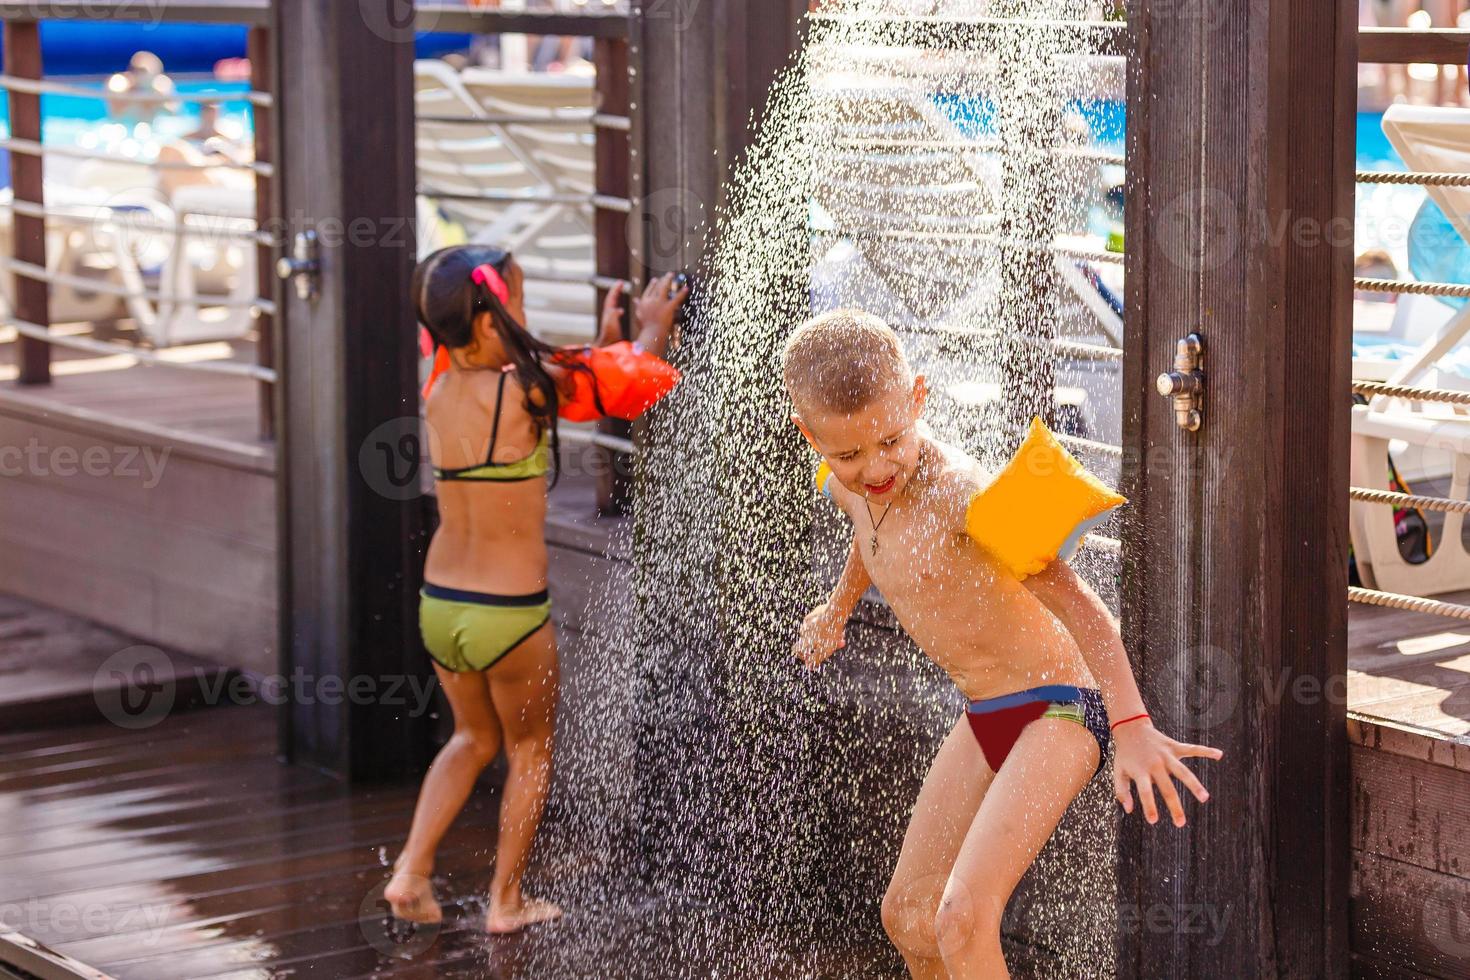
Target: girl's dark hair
pixel 446 301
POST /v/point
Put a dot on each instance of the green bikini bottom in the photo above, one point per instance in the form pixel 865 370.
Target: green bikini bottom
pixel 466 631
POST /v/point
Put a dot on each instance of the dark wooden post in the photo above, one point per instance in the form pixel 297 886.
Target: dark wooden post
pixel 610 55
pixel 703 72
pixel 263 79
pixel 28 232
pixel 352 520
pixel 1241 143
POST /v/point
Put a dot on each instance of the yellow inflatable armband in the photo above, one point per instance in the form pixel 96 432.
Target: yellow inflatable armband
pixel 824 473
pixel 1039 507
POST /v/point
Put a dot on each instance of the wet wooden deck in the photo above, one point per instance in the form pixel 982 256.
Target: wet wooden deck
pixel 188 851
pixel 1410 669
pixel 216 411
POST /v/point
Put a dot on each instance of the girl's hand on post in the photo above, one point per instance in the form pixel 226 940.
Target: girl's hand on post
pixel 656 307
pixel 822 634
pixel 610 331
pixel 1149 759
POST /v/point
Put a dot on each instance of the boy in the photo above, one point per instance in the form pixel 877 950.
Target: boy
pixel 1040 660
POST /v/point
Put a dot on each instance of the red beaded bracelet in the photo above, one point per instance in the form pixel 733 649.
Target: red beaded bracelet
pixel 1126 721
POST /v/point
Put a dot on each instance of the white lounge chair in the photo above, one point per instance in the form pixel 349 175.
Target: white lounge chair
pixel 552 239
pixel 209 282
pixel 1435 139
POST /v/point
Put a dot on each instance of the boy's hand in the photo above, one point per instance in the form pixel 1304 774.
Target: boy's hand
pixel 1150 759
pixel 821 635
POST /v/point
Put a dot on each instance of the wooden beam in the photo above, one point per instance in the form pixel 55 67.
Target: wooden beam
pixel 613 178
pixel 253 12
pixel 352 524
pixel 28 235
pixel 1239 208
pixel 969 33
pixel 1404 46
pixel 457 18
pixel 262 79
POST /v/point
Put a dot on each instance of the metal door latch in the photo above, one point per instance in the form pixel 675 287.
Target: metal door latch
pixel 304 266
pixel 1186 383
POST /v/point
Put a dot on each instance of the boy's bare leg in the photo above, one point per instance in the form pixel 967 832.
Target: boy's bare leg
pixel 524 689
pixel 448 784
pixel 942 815
pixel 1051 763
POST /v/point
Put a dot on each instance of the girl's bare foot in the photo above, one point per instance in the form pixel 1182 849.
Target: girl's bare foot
pixel 513 918
pixel 411 897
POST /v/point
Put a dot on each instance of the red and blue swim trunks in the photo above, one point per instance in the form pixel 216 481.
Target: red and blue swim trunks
pixel 997 722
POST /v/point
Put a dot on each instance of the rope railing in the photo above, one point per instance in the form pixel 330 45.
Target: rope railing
pixel 1412 287
pixel 577 279
pixel 1398 500
pixel 607 201
pixel 35 148
pixel 1108 546
pixel 104 216
pixel 1409 393
pixel 31 86
pixel 551 117
pixel 1419 178
pixel 1393 600
pixel 1072 251
pixel 591 437
pixel 1090 445
pixel 35 272
pixel 37 332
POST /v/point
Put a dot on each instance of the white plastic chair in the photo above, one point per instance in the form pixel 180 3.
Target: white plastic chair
pixel 551 239
pixel 211 262
pixel 1436 139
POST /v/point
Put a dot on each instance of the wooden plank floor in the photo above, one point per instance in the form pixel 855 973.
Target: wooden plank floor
pixel 58 669
pixel 209 405
pixel 189 851
pixel 1412 669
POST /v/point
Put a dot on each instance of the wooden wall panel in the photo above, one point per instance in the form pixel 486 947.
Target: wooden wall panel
pixel 187 563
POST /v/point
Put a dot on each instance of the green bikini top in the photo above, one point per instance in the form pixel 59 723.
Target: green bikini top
pixel 538 463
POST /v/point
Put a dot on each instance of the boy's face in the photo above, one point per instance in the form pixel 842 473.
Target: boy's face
pixel 872 451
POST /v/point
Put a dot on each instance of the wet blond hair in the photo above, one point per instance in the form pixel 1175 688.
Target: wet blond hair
pixel 842 361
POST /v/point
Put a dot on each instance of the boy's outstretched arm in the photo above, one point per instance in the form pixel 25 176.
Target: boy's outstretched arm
pixel 1145 756
pixel 822 630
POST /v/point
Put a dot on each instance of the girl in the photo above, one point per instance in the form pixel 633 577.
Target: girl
pixel 484 613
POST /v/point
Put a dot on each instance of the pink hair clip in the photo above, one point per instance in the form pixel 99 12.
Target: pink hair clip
pixel 489 277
